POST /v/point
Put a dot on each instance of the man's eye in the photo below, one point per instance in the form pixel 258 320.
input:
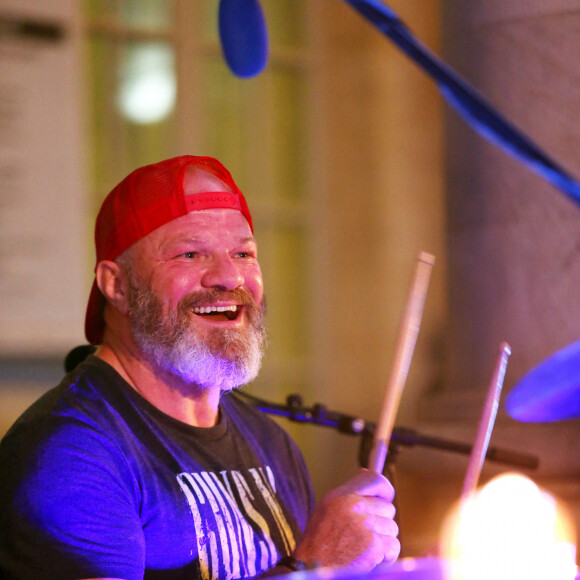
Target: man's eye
pixel 189 255
pixel 245 255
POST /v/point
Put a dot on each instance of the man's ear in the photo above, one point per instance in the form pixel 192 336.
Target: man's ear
pixel 112 281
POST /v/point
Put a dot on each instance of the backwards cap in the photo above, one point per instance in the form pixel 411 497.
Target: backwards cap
pixel 145 200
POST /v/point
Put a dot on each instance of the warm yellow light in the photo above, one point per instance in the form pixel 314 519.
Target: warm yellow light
pixel 510 529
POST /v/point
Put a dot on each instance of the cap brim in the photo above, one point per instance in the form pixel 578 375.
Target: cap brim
pixel 94 322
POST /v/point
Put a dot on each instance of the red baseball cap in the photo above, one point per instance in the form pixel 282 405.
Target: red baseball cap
pixel 145 200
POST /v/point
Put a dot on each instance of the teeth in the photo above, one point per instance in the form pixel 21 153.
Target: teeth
pixel 210 309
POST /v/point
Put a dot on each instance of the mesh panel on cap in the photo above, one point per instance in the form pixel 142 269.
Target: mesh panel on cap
pixel 153 186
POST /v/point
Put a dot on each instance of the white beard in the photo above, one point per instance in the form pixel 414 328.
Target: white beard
pixel 226 358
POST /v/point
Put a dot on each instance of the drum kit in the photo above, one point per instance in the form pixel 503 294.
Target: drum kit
pixel 404 569
pixel 549 392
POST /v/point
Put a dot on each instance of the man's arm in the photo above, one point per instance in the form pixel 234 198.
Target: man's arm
pixel 66 510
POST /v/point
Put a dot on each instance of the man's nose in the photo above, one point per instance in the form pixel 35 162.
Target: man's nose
pixel 222 273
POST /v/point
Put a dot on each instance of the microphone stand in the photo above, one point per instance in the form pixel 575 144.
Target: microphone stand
pixel 320 415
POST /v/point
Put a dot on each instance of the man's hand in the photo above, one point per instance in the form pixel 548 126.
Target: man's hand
pixel 353 525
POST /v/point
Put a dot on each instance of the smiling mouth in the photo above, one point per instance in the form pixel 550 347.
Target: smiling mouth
pixel 218 313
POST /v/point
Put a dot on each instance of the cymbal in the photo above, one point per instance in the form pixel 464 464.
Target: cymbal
pixel 549 392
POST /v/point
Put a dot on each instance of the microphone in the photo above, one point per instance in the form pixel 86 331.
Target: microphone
pixel 243 36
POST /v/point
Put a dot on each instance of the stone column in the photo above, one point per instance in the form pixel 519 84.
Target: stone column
pixel 513 239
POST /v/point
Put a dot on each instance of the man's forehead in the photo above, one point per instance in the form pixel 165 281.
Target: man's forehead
pixel 197 180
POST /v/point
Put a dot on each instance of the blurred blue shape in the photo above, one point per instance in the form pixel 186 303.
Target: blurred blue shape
pixel 549 392
pixel 466 100
pixel 243 36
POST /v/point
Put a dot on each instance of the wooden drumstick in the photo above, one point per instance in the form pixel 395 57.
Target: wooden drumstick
pixel 486 423
pixel 408 330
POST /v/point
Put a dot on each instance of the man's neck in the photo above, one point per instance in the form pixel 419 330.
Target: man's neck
pixel 183 401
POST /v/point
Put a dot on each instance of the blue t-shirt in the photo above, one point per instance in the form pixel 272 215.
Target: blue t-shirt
pixel 97 482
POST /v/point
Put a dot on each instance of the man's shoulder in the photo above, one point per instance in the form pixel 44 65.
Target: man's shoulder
pixel 80 399
pixel 73 428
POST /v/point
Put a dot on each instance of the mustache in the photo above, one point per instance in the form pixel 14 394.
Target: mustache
pixel 239 296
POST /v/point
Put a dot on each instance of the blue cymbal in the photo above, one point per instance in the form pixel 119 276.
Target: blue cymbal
pixel 549 392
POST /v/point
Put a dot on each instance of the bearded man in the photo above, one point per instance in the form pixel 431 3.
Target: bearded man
pixel 139 464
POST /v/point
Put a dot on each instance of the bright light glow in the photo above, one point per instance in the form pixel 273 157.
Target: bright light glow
pixel 148 87
pixel 513 530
